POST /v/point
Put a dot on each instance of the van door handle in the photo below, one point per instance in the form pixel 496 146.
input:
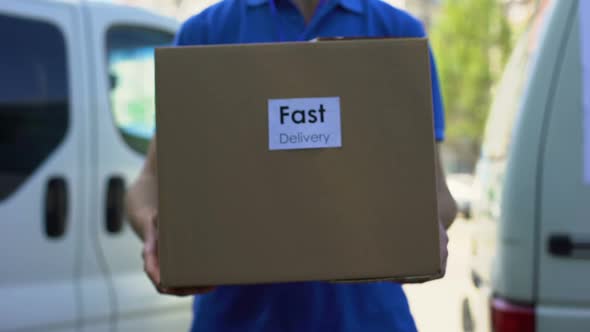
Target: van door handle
pixel 563 245
pixel 56 207
pixel 114 204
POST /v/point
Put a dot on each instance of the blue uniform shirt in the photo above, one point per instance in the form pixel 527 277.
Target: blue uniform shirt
pixel 311 306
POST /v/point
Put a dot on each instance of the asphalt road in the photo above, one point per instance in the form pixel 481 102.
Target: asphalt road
pixel 436 305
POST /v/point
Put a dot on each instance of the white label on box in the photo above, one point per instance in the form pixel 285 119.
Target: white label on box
pixel 304 123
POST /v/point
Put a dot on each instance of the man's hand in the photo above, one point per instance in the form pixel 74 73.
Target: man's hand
pixel 142 210
pixel 151 263
pixel 447 210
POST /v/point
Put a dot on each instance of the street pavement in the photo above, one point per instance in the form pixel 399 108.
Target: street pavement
pixel 436 305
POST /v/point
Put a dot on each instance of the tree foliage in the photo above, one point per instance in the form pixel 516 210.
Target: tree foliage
pixel 472 41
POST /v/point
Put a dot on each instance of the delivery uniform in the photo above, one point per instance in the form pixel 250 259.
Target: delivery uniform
pixel 309 306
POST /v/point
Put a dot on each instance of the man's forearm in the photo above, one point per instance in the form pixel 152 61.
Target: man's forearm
pixel 142 197
pixel 142 202
pixel 447 209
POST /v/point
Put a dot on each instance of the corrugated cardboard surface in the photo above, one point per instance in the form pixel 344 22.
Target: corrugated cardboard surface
pixel 233 212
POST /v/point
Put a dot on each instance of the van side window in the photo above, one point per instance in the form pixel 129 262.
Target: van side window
pixel 130 53
pixel 34 98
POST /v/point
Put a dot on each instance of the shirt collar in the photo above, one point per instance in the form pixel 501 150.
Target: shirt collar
pixel 354 6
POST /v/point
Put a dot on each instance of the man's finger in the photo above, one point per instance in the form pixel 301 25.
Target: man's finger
pixel 444 253
pixel 152 267
pixel 154 221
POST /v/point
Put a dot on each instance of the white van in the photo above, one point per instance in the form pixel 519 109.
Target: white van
pixel 76 113
pixel 531 238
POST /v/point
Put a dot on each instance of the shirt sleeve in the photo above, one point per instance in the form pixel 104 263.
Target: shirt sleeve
pixel 437 102
pixel 416 29
pixel 192 32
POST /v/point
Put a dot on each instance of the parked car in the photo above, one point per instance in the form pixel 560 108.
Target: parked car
pixel 531 237
pixel 76 113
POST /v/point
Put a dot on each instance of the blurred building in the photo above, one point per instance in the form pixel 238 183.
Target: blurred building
pixel 519 11
pixel 425 10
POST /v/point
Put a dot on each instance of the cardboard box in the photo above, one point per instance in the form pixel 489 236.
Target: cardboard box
pixel 296 162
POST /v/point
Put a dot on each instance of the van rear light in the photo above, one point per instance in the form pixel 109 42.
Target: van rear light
pixel 511 317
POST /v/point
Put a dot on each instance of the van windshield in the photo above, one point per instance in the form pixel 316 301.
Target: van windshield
pixel 499 131
pixel 507 101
